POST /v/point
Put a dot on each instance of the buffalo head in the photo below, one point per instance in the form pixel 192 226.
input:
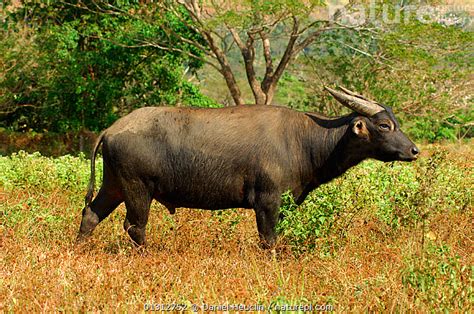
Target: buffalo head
pixel 376 128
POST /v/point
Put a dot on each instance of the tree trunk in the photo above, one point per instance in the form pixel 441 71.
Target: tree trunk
pixel 258 94
pixel 226 71
pixel 270 93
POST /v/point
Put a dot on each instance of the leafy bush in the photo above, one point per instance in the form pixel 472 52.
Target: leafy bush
pixel 46 174
pixel 397 195
pixel 66 68
pixel 438 279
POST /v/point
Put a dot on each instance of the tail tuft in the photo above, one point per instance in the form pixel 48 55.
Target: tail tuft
pixel 88 198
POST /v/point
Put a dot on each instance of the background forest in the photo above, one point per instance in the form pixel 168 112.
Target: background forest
pixel 79 65
pixel 394 237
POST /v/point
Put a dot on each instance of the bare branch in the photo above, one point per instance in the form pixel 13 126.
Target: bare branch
pixel 174 49
pixel 248 55
pixel 312 25
pixel 357 50
pixel 17 107
pixel 82 7
pixel 313 36
pixel 267 54
pixel 170 32
pixel 309 39
pixel 365 53
pixel 144 43
pixel 114 10
pixel 227 45
pixel 194 11
pixel 236 37
pixel 270 80
pixel 226 69
pixel 197 9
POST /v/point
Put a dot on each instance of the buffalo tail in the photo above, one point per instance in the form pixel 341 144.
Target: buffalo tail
pixel 90 189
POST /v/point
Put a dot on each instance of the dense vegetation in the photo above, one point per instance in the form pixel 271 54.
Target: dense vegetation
pixel 66 69
pixel 380 237
pixel 69 66
pixel 383 237
pixel 423 71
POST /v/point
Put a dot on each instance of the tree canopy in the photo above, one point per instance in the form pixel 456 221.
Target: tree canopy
pixel 81 64
pixel 66 67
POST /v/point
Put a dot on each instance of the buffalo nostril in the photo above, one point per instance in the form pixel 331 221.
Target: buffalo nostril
pixel 414 150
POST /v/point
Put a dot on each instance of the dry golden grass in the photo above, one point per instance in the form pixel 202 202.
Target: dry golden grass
pixel 199 257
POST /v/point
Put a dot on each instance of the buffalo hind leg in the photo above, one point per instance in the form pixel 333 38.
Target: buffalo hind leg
pixel 137 200
pixel 103 204
pixel 267 215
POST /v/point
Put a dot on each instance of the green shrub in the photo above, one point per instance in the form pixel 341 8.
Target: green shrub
pixel 33 172
pixel 66 69
pixel 439 279
pixel 397 194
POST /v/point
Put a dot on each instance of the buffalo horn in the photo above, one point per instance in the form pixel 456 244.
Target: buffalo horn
pixel 347 91
pixel 355 101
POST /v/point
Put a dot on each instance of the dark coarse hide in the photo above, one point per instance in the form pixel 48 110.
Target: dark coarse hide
pixel 236 157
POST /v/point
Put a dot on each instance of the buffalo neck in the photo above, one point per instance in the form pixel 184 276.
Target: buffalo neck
pixel 332 148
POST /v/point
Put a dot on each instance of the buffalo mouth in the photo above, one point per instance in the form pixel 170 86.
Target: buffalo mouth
pixel 407 157
pixel 396 156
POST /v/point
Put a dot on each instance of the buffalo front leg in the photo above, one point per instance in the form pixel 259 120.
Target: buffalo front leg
pixel 267 214
pixel 104 203
pixel 137 200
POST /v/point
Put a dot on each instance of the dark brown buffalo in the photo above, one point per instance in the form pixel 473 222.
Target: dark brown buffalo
pixel 237 157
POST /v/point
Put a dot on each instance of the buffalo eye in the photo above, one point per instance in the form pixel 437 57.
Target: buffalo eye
pixel 384 126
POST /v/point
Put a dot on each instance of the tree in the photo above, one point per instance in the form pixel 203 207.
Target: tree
pixel 251 26
pixel 66 67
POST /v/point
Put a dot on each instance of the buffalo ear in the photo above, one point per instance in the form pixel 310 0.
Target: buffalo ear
pixel 359 127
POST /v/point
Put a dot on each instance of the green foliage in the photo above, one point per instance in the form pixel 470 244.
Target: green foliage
pixel 394 195
pixel 45 174
pixel 66 175
pixel 39 217
pixel 258 13
pixel 67 68
pixel 438 279
pixel 421 70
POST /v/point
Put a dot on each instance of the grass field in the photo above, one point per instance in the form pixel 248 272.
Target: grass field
pixel 384 237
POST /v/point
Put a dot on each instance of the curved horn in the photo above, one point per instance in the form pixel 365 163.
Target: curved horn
pixel 347 91
pixel 355 101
